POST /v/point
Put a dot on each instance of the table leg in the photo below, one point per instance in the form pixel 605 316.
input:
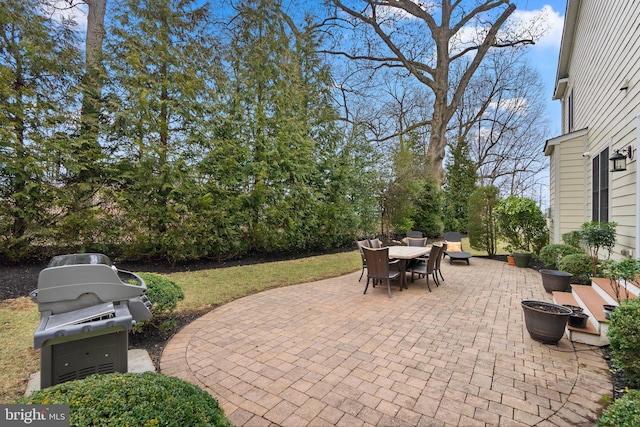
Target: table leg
pixel 403 273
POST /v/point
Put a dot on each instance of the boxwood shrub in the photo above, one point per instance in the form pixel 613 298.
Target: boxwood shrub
pixel 164 294
pixel 551 254
pixel 625 340
pixel 147 399
pixel 625 411
pixel 580 265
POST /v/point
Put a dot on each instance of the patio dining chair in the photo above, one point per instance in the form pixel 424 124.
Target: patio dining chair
pixel 427 269
pixel 380 268
pixel 375 243
pixel 417 241
pixel 361 244
pixel 443 251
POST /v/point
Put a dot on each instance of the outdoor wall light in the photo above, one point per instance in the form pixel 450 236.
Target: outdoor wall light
pixel 619 159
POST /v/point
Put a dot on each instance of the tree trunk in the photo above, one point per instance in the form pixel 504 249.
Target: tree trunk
pixel 94 73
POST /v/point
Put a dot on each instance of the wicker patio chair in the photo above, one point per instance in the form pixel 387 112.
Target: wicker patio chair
pixel 379 268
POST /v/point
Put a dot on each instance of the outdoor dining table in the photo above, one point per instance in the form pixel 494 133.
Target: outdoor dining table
pixel 405 254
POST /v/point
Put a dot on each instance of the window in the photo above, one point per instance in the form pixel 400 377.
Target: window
pixel 600 187
pixel 570 112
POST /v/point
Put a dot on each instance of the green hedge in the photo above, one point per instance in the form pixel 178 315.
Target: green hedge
pixel 147 399
pixel 625 411
pixel 624 337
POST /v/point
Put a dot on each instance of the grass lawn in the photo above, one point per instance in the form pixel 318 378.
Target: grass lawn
pixel 203 289
pixel 467 247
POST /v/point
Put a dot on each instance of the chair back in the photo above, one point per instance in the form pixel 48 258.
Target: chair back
pixel 415 234
pixel 443 249
pixel 361 244
pixel 377 262
pixel 413 241
pixel 452 236
pixel 375 243
pixel 433 256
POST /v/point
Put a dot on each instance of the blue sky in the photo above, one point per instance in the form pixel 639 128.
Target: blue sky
pixel 544 55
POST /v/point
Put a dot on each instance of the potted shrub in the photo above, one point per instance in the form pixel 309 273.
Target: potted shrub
pixel 523 226
pixel 545 322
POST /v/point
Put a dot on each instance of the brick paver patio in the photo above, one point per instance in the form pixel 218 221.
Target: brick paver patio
pixel 324 354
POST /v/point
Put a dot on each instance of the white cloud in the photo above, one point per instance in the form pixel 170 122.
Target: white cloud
pixel 517 105
pixel 550 22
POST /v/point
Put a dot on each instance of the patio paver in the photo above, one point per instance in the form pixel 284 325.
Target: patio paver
pixel 323 353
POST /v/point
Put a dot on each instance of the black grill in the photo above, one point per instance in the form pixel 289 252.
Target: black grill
pixel 86 310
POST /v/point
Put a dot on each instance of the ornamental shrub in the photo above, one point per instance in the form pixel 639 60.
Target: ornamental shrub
pixel 625 411
pixel 625 340
pixel 572 238
pixel 579 265
pixel 164 294
pixel 596 236
pixel 146 399
pixel 522 224
pixel 551 254
pixel 482 227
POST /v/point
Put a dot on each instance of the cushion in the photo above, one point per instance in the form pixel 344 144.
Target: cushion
pixel 454 246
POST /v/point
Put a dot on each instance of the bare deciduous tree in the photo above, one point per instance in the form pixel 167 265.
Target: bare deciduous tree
pixel 502 117
pixel 428 40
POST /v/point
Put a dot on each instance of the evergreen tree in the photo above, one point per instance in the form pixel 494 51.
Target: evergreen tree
pixel 285 140
pixel 482 226
pixel 163 67
pixel 428 208
pixel 38 67
pixel 460 183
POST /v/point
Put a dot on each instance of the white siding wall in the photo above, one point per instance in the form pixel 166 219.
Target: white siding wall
pixel 572 204
pixel 606 53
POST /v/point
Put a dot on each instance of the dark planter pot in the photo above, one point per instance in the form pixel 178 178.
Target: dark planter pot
pixel 608 309
pixel 554 280
pixel 578 320
pixel 545 322
pixel 573 308
pixel 522 259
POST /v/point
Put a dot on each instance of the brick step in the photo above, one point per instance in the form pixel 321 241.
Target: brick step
pixel 591 302
pixel 604 287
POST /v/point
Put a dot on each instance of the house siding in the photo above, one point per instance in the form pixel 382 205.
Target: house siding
pixel 605 54
pixel 569 199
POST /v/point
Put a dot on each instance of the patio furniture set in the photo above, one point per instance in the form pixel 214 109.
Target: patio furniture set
pixel 384 264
